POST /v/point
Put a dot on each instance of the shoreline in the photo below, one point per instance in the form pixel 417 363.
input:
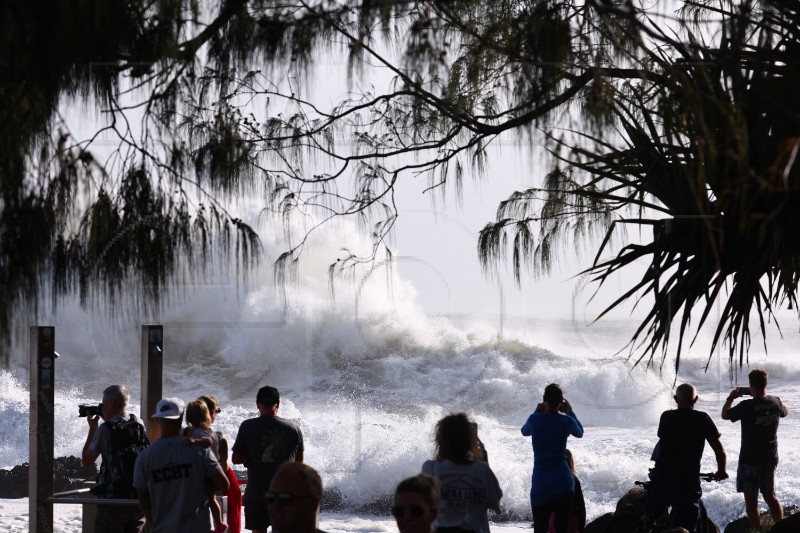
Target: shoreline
pixel 338 515
pixel 67 519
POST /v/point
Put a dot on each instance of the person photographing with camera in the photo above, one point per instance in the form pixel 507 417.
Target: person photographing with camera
pixel 118 442
pixel 552 483
pixel 758 455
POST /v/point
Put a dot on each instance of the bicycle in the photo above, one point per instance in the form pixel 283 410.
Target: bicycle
pixel 632 514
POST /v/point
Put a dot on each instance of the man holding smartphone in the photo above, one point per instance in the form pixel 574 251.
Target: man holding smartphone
pixel 758 455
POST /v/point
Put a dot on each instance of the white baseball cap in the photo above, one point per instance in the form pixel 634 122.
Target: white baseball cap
pixel 171 408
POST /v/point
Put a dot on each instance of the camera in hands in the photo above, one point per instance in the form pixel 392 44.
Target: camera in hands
pixel 90 410
pixel 745 391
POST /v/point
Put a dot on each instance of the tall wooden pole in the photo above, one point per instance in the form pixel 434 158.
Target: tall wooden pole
pixel 41 429
pixel 152 384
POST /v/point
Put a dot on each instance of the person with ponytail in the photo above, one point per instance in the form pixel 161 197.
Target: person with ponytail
pixel 234 492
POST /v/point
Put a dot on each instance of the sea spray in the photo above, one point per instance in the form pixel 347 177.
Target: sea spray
pixel 367 386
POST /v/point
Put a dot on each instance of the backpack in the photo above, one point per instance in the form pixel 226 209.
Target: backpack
pixel 127 439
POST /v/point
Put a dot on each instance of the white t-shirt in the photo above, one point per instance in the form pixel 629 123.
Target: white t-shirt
pixel 210 434
pixel 465 493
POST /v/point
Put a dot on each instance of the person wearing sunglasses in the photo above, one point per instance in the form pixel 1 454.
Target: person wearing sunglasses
pixel 467 486
pixel 234 492
pixel 416 504
pixel 293 499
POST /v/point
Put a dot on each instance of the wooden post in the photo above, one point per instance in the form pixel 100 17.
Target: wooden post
pixel 152 368
pixel 41 430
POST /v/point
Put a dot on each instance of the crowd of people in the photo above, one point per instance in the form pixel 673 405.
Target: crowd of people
pixel 176 478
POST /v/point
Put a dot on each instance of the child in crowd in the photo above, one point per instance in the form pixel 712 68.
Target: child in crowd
pixel 199 433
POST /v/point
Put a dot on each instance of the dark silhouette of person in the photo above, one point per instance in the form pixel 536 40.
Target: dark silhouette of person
pixel 683 433
pixel 758 455
pixel 262 445
pixel 552 482
pixel 416 504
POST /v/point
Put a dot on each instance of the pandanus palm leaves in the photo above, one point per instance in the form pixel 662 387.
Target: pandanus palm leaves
pixel 705 156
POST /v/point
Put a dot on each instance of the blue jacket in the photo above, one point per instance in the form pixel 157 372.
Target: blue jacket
pixel 552 478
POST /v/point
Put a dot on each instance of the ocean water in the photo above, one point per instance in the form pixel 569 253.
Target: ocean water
pixel 368 381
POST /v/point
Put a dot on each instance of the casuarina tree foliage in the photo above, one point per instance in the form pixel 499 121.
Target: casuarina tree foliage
pixel 681 121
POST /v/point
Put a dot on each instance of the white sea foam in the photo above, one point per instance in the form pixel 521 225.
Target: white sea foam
pixel 368 378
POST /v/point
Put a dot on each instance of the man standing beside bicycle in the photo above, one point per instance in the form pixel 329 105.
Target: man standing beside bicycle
pixel 683 433
pixel 758 455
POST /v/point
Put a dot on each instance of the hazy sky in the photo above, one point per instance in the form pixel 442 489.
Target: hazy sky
pixel 437 245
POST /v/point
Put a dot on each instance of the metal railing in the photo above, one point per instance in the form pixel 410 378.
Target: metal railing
pixel 74 497
pixel 90 503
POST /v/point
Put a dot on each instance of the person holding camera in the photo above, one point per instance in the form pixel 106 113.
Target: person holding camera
pixel 117 441
pixel 758 455
pixel 552 482
pixel 682 434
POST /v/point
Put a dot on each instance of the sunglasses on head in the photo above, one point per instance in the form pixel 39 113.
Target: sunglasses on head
pixel 284 498
pixel 398 511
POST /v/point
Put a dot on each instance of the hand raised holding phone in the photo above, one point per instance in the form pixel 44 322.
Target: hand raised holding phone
pixel 565 407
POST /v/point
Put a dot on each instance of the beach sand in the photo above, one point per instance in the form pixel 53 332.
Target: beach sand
pixel 67 518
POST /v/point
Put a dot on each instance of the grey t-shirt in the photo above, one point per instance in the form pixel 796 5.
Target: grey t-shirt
pixel 175 474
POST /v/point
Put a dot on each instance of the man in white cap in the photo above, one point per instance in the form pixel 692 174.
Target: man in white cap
pixel 171 477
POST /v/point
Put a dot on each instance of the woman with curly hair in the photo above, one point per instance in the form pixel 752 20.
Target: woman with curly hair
pixel 467 486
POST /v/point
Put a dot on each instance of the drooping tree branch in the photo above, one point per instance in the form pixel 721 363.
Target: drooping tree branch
pixel 684 125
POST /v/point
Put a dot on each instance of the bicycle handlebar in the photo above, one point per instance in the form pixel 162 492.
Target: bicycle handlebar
pixel 704 476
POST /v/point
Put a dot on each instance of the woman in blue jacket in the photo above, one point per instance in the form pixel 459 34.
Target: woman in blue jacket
pixel 552 483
